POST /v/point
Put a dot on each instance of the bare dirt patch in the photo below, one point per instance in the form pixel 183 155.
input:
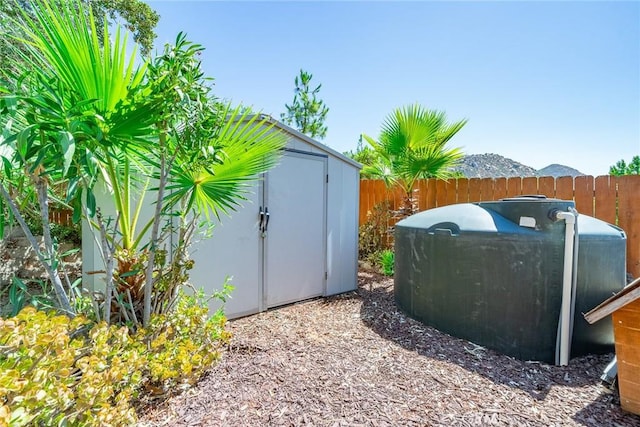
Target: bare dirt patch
pixel 356 360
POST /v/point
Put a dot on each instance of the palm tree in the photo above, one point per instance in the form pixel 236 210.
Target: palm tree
pixel 413 145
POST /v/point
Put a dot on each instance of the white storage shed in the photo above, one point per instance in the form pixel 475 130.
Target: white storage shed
pixel 294 238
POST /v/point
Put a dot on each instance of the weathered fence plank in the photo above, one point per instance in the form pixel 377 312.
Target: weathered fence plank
pixel 463 190
pixel 514 186
pixel 606 195
pixel 564 188
pixel 474 189
pixel 628 219
pixel 583 194
pixel 530 186
pixel 500 189
pixel 547 186
pixel 486 190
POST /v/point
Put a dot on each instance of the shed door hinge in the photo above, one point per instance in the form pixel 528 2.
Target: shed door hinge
pixel 326 275
pixel 327 177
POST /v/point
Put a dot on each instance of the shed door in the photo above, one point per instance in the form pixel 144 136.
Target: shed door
pixel 233 250
pixel 295 243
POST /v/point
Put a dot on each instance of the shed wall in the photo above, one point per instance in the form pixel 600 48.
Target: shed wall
pixel 342 227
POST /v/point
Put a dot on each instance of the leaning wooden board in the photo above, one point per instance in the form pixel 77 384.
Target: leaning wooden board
pixel 626 329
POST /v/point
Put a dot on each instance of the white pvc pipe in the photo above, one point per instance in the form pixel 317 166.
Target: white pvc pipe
pixel 565 311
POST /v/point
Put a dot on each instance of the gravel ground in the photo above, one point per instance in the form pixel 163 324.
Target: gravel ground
pixel 355 360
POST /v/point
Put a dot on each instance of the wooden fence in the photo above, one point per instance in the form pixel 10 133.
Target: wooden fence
pixel 615 200
pixel 61 216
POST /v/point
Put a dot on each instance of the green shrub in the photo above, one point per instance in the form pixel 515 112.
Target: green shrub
pixel 387 260
pixel 60 371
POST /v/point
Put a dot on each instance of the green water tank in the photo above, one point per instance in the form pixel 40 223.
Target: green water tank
pixel 492 273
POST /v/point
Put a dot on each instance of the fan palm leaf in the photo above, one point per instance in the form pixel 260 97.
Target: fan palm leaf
pixel 249 145
pixel 62 44
pixel 412 145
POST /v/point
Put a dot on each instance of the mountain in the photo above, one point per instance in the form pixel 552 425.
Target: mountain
pixel 491 165
pixel 557 170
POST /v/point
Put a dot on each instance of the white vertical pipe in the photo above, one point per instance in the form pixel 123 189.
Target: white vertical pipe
pixel 565 311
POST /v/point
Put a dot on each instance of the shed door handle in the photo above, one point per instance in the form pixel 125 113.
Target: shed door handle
pixel 261 224
pixel 266 216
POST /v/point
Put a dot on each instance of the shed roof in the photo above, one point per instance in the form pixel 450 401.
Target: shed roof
pixel 630 293
pixel 311 141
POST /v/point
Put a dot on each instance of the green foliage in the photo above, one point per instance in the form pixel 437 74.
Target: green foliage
pixel 622 168
pixel 137 16
pixel 362 155
pixel 307 113
pixel 52 372
pixel 413 145
pixel 373 234
pixel 39 294
pixel 387 260
pixel 69 233
pixel 60 371
pixel 20 295
pixel 184 343
pixel 85 108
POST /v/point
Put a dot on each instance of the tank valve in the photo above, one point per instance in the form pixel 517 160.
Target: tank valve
pixel 553 214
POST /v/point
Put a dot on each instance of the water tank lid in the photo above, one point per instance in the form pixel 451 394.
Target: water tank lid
pixel 530 198
pixel 462 217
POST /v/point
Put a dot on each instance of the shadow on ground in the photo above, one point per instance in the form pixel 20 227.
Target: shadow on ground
pixel 606 411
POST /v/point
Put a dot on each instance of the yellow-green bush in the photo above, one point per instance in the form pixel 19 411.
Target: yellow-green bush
pixel 60 371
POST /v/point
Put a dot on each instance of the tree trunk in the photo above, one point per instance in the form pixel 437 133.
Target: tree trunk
pixel 107 254
pixel 153 241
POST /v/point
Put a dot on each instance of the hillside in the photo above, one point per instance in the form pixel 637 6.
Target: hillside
pixel 557 170
pixel 491 165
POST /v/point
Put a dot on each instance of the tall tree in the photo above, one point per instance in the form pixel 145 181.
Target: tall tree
pixel 413 145
pixel 307 113
pixel 622 168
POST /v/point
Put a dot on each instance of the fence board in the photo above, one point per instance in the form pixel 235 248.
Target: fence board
pixel 431 194
pixel 514 186
pixel 499 188
pixel 364 200
pixel 452 191
pixel 564 188
pixel 61 216
pixel 474 189
pixel 397 195
pixel 441 192
pixel 605 207
pixel 379 192
pixel 530 185
pixel 583 194
pixel 486 190
pixel 463 190
pixel 628 197
pixel 422 194
pixel 547 186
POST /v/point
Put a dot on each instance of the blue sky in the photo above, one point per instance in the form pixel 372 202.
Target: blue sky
pixel 540 82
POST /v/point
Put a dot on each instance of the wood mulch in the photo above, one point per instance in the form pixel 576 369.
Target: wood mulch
pixel 355 360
